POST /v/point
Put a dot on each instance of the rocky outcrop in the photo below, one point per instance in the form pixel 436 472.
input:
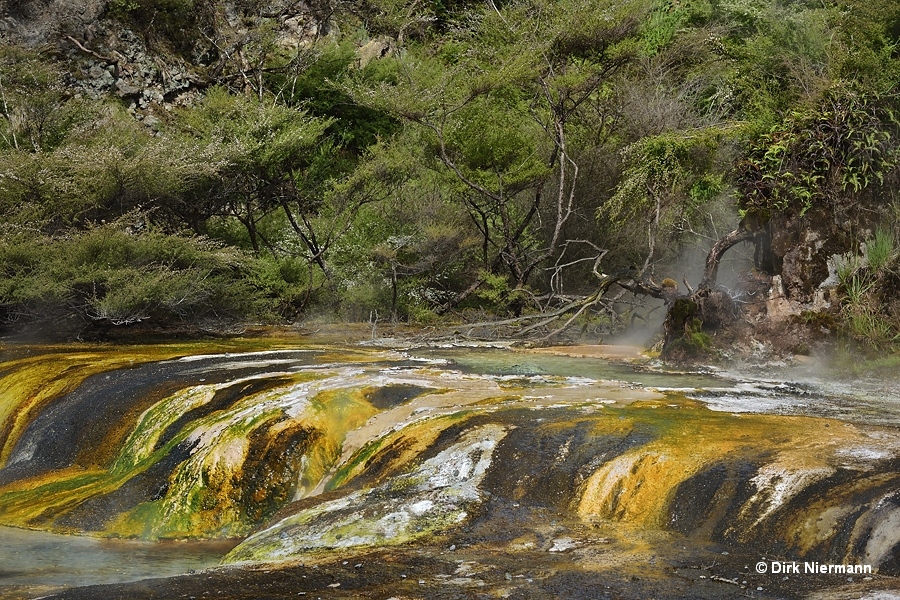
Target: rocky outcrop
pixel 36 23
pixel 803 250
pixel 792 301
pixel 102 56
pixel 109 51
pixel 121 64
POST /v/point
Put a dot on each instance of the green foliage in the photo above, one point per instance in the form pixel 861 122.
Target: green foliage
pixel 262 159
pixel 311 80
pixel 856 288
pixel 667 18
pixel 494 289
pixel 684 330
pixel 494 139
pixel 252 135
pixel 173 22
pixel 868 32
pixel 668 183
pixel 655 167
pixel 100 175
pixel 473 146
pixel 496 294
pixel 285 284
pixel 847 267
pixel 495 107
pixel 35 113
pixel 119 7
pixel 111 274
pixel 868 283
pixel 365 300
pixel 398 260
pixel 220 155
pixel 842 146
pixel 697 340
pixel 868 326
pixel 763 57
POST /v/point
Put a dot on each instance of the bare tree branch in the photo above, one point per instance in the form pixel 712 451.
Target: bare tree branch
pixel 710 273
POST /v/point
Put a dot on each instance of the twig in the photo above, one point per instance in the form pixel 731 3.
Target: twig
pixel 571 320
pixel 12 127
pixel 91 52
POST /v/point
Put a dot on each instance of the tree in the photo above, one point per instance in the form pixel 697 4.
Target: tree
pixel 497 105
pixel 261 152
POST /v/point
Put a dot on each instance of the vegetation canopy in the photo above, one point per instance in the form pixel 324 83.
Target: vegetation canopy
pixel 530 165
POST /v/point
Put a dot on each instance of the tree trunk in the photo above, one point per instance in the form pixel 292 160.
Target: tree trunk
pixel 691 317
pixel 722 245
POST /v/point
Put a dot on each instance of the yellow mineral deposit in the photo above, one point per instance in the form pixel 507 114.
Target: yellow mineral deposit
pixel 29 383
pixel 229 456
pixel 639 486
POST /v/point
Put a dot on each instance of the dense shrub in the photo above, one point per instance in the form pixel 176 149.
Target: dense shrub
pixel 112 274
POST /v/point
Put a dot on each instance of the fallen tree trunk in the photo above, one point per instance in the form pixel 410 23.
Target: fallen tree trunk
pixel 533 326
pixel 688 316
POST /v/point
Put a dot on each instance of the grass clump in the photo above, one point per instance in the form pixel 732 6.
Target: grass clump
pixel 866 282
pixel 881 250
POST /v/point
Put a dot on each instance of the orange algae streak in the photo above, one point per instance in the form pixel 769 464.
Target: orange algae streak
pixel 818 521
pixel 639 486
pixel 36 502
pixel 334 413
pixel 31 383
pixel 394 451
pixel 249 460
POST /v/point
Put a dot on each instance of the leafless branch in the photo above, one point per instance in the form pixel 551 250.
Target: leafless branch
pixel 96 55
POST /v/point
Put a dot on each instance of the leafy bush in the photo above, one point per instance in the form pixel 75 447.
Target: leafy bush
pixel 174 22
pixel 365 300
pixel 36 112
pixel 827 153
pixel 868 285
pixel 111 274
pixel 286 285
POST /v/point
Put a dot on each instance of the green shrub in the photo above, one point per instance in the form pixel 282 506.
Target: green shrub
pixel 365 300
pixel 287 283
pixel 173 21
pixel 112 274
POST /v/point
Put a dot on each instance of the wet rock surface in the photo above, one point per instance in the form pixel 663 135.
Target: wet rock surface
pixel 479 572
pixel 372 473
